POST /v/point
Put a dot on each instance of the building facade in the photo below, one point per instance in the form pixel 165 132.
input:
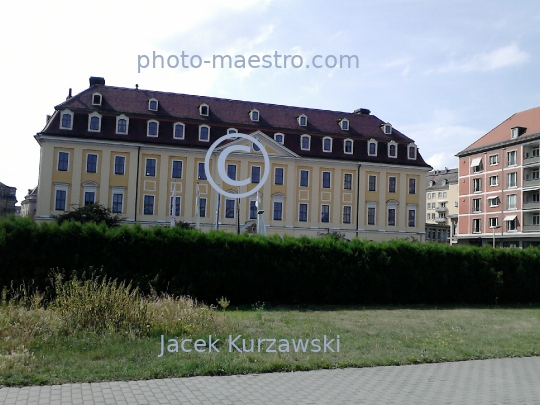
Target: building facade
pixel 29 204
pixel 141 153
pixel 8 199
pixel 442 206
pixel 499 185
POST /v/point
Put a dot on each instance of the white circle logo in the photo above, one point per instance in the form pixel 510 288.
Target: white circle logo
pixel 221 165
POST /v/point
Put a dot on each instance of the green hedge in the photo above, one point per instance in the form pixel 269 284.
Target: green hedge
pixel 270 269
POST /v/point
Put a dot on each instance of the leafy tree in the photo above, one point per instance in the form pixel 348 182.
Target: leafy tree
pixel 91 213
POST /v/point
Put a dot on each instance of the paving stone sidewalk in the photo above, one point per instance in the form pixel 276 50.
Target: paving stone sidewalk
pixel 497 381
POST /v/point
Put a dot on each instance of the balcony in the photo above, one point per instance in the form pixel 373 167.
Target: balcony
pixel 531 205
pixel 531 228
pixel 440 220
pixel 531 160
pixel 531 183
pixel 441 209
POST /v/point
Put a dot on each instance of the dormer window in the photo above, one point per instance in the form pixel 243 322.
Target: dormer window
pixel 392 149
pixel 152 128
pixel 372 147
pixel 94 122
pixel 344 124
pixel 305 142
pixel 327 144
pixel 153 104
pixel 279 138
pixel 387 128
pixel 122 124
pixel 178 130
pixel 96 99
pixel 232 131
pixel 254 115
pixel 411 151
pixel 348 146
pixel 302 120
pixel 204 110
pixel 431 183
pixel 66 120
pixel 204 133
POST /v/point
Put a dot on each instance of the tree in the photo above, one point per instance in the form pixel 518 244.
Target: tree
pixel 91 213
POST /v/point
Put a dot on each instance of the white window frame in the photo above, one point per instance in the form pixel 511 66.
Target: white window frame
pixel 201 107
pixel 343 214
pixel 282 168
pixel 387 128
pixel 415 185
pixel 89 189
pixel 58 160
pixel 493 160
pixel 251 174
pixel 493 222
pixel 146 166
pixel 414 147
pixel 368 148
pixel 70 113
pixel 388 208
pixel 278 199
pixel 352 178
pixel 118 118
pixel 331 142
pixel 114 165
pixel 495 182
pixel 307 211
pixel 179 124
pixel 329 213
pixel 94 114
pixel 374 206
pixel 200 129
pixel 172 205
pixel 509 177
pixel 251 115
pixel 369 182
pixel 514 206
pixel 200 205
pixel 511 225
pixel 61 187
pixel 282 137
pixel 330 179
pixel 344 124
pixel 100 98
pixel 309 142
pixel 300 178
pixel 153 204
pixel 148 128
pixel 396 184
pixel 231 131
pixel 149 104
pixel 300 117
pixel 345 146
pixel 412 208
pixel 493 201
pixel 394 144
pixel 116 191
pixel 86 163
pixel 479 188
pixel 181 168
pixel 235 171
pixel 479 228
pixel 514 153
pixel 477 205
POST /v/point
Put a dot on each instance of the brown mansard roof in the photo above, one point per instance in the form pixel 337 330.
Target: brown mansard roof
pixel 234 113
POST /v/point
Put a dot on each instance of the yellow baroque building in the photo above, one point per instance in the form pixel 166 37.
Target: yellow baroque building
pixel 141 153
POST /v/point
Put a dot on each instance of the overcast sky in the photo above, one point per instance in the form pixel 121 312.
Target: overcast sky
pixel 442 72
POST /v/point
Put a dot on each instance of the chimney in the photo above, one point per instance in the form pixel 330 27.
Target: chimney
pixel 136 87
pixel 362 111
pixel 97 80
pixel 69 95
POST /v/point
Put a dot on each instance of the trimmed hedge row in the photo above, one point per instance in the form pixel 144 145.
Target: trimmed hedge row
pixel 270 269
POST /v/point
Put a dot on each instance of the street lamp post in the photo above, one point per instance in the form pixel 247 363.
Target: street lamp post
pixel 494 227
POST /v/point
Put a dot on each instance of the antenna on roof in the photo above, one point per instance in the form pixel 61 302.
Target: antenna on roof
pixel 137 87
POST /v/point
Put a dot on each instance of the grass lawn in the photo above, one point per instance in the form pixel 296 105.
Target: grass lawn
pixel 368 337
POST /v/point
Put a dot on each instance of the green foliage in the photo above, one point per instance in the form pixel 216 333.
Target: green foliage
pixel 248 269
pixel 91 213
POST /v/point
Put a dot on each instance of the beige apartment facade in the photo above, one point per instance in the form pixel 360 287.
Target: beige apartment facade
pixel 442 206
pixel 349 173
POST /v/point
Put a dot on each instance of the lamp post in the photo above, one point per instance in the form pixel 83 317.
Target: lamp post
pixel 494 227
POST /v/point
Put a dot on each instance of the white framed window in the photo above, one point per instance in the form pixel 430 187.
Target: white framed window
pixel 117 202
pixel 150 167
pixel 255 174
pixel 411 151
pixel 60 197
pixel 326 179
pixel 63 161
pixel 477 185
pixel 412 185
pixel 493 201
pixel 119 164
pixel 94 122
pixel 387 128
pixel 347 210
pixel 231 131
pixel 392 149
pixel 176 169
pixel 327 144
pixel 325 213
pixel 411 216
pixel 392 184
pixel 391 215
pixel 153 104
pixel 511 158
pixel 305 142
pixel 302 120
pixel 344 124
pixel 371 214
pixel 493 181
pixel 279 138
pixel 148 204
pixel 493 222
pixel 231 171
pixel 304 178
pixel 303 212
pixel 347 181
pixel 511 223
pixel 122 124
pixel 511 201
pixel 152 128
pixel 536 218
pixel 179 130
pixel 511 180
pixel 277 207
pixel 66 119
pixel 372 182
pixel 230 208
pixel 477 204
pixel 279 176
pixel 514 133
pixel 204 110
pixel 202 207
pixel 476 225
pixel 372 147
pixel 96 98
pixel 476 165
pixel 204 133
pixel 91 163
pixel 493 160
pixel 254 115
pixel 89 195
pixel 348 146
pixel 175 206
pixel 201 174
pixel 429 196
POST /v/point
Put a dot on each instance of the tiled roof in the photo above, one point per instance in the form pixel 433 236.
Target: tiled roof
pixel 437 176
pixel 528 119
pixel 234 113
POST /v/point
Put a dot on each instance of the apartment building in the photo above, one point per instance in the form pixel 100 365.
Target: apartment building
pixel 141 153
pixel 8 199
pixel 29 204
pixel 499 185
pixel 442 205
